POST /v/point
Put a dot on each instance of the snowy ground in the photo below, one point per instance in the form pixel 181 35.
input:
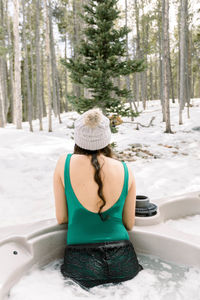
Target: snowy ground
pixel 163 165
pixel 27 160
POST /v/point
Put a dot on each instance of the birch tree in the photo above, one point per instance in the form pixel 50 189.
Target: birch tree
pixel 182 60
pixel 17 68
pixel 38 67
pixel 165 63
pixel 137 84
pixel 128 86
pixel 10 71
pixel 27 79
pixel 3 60
pixel 2 98
pixel 2 110
pixel 48 65
pixel 184 86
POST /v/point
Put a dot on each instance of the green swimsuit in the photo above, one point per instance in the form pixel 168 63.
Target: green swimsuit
pixel 85 226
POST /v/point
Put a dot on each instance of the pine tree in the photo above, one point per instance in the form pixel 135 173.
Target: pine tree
pixel 102 57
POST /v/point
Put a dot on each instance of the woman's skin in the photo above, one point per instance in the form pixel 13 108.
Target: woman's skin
pixel 85 188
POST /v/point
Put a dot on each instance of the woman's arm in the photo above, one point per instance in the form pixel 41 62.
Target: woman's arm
pixel 128 215
pixel 59 194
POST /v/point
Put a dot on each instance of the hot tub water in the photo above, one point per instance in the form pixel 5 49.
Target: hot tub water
pixel 160 280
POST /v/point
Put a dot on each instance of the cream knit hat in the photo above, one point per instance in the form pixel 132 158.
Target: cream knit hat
pixel 92 130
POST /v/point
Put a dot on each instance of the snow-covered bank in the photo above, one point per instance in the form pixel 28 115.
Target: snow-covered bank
pixel 189 224
pixel 28 159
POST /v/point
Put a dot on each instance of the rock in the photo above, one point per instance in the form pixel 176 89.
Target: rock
pixel 168 146
pixel 130 159
pixel 140 154
pixel 146 152
pixel 196 128
pixel 156 156
pixel 136 145
pixel 70 126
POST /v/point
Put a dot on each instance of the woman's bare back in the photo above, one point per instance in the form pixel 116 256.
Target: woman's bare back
pixel 112 175
pixel 84 185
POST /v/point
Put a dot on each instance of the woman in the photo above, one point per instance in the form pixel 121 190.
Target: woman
pixel 95 194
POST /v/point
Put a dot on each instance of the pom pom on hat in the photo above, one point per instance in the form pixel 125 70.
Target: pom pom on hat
pixel 93 117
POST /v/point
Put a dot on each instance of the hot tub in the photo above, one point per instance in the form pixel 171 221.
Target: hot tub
pixel 31 245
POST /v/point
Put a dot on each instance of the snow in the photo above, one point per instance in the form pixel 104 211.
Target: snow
pixel 189 224
pixel 28 160
pixel 163 165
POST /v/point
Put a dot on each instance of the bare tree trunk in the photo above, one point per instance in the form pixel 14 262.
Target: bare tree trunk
pixel 76 29
pixel 55 85
pixel 53 78
pixel 58 94
pixel 171 78
pixel 151 79
pixel 3 16
pixel 144 39
pixel 192 74
pixel 165 59
pixel 48 65
pixel 182 58
pixel 2 108
pixel 128 86
pixel 42 80
pixel 66 79
pixel 17 74
pixel 38 66
pixel 138 55
pixel 34 105
pixel 187 62
pixel 5 77
pixel 134 89
pixel 11 83
pixel 160 40
pixel 30 116
pixel 2 86
pixel 156 93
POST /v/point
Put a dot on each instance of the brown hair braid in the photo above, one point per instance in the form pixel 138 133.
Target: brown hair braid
pixel 107 151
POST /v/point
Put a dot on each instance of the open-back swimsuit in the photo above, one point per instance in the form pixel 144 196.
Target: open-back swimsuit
pixel 97 251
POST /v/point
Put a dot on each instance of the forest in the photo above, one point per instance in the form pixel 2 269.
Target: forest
pixel 48 50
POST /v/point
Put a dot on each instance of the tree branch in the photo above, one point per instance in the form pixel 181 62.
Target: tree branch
pixel 137 123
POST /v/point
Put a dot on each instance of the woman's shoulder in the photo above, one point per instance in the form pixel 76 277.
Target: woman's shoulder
pixel 112 160
pixel 117 167
pixel 62 157
pixel 81 157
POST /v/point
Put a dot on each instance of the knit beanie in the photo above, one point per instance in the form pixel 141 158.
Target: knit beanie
pixel 92 130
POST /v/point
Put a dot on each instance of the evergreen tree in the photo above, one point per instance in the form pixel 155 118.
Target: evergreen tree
pixel 102 57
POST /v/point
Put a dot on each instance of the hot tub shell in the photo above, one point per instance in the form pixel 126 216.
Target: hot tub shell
pixel 28 246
